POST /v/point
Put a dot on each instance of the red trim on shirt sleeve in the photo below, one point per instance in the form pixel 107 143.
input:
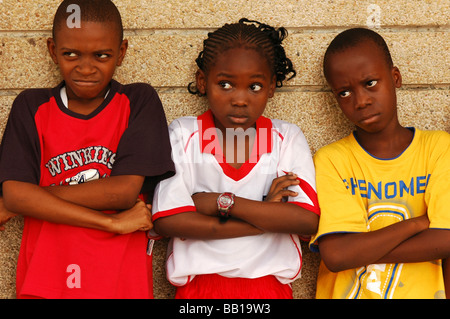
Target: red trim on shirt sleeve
pixel 312 195
pixel 189 140
pixel 306 206
pixel 174 211
pixel 299 252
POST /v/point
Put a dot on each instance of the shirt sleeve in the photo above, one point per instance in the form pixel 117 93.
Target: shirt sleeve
pixel 20 147
pixel 144 149
pixel 296 157
pixel 174 195
pixel 340 211
pixel 437 194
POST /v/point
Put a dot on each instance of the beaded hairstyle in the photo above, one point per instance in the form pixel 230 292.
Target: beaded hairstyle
pixel 247 34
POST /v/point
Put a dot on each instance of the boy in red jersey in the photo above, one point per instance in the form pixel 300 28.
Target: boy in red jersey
pixel 74 160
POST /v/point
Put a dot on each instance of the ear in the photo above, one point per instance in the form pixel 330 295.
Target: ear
pixel 200 79
pixel 51 46
pixel 273 86
pixel 397 77
pixel 122 52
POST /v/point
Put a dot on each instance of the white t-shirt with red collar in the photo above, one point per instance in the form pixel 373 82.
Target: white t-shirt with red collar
pixel 279 148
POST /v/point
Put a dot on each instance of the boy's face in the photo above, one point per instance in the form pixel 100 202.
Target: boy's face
pixel 87 58
pixel 364 86
pixel 238 87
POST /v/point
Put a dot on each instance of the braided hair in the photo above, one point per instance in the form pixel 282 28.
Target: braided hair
pixel 247 34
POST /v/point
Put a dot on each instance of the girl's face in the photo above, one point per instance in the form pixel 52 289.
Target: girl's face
pixel 238 87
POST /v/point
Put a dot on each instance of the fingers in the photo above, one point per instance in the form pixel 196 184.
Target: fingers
pixel 147 228
pixel 285 181
pixel 2 223
pixel 145 213
pixel 279 187
pixel 287 193
pixel 5 220
pixel 149 218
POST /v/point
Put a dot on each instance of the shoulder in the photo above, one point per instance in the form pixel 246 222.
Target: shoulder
pixel 184 125
pixel 133 87
pixel 344 144
pixel 285 127
pixel 36 96
pixel 287 132
pixel 434 137
pixel 435 145
pixel 32 99
pixel 336 150
pixel 136 91
pixel 142 100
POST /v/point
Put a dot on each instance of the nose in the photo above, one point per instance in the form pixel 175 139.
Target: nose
pixel 362 98
pixel 86 67
pixel 240 98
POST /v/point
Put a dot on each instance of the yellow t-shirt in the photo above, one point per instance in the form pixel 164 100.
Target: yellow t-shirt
pixel 360 193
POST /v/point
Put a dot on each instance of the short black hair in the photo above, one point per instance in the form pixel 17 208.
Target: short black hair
pixel 250 34
pixel 91 11
pixel 351 38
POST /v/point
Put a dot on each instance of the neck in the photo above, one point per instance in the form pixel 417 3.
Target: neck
pixel 386 144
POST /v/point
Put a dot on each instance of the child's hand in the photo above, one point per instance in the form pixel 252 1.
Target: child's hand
pixel 5 215
pixel 137 218
pixel 279 186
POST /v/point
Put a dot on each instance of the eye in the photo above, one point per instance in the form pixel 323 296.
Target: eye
pixel 70 54
pixel 372 83
pixel 256 87
pixel 225 85
pixel 344 94
pixel 102 56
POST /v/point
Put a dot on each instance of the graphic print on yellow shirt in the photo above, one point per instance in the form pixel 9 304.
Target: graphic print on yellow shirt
pixel 360 193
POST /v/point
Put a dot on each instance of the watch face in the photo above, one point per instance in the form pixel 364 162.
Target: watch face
pixel 225 201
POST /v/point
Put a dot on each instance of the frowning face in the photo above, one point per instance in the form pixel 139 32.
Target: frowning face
pixel 364 86
pixel 87 58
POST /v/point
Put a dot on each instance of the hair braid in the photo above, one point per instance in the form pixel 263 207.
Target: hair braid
pixel 252 35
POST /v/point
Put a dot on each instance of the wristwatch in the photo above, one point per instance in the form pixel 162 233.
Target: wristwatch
pixel 225 202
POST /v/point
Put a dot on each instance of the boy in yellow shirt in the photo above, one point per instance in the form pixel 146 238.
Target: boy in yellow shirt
pixel 384 189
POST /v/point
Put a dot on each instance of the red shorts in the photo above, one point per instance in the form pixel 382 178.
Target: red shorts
pixel 219 287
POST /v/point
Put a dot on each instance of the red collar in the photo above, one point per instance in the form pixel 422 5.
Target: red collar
pixel 209 142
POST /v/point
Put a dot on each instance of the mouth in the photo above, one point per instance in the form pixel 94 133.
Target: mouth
pixel 369 119
pixel 85 83
pixel 238 119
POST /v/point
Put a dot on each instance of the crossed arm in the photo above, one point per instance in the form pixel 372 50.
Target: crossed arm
pixel 249 217
pixel 80 205
pixel 404 242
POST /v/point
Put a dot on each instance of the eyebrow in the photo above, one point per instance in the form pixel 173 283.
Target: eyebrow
pixel 75 50
pixel 254 76
pixel 370 76
pixel 340 88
